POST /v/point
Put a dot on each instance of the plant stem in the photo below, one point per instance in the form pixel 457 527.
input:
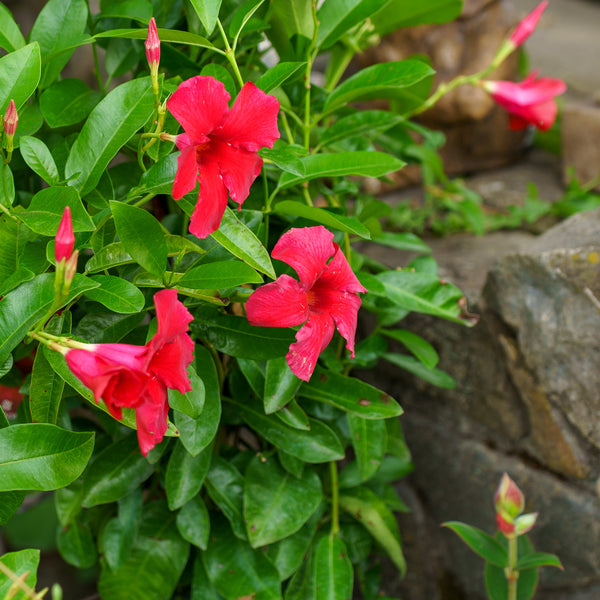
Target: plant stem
pixel 230 54
pixel 310 57
pixel 512 575
pixel 335 508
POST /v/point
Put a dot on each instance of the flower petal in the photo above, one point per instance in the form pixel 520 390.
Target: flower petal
pixel 151 416
pixel 339 275
pixel 170 362
pixel 306 250
pixel 239 168
pixel 312 338
pixel 282 303
pixel 173 317
pixel 212 199
pixel 199 104
pixel 187 173
pixel 252 122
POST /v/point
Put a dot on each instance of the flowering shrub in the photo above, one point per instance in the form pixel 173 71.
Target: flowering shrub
pixel 195 448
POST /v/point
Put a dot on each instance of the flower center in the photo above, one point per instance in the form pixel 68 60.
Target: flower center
pixel 201 149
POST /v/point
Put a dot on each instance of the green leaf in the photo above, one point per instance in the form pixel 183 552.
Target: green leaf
pixel 278 74
pixel 110 125
pixel 238 239
pixel 241 16
pixel 20 563
pixel 291 414
pixel 363 123
pixel 236 337
pixel 402 241
pixel 208 12
pixel 369 510
pixel 407 13
pixel 76 545
pixel 193 523
pixel 235 569
pixel 416 367
pixel 295 16
pixel 7 183
pixel 37 156
pixel 202 589
pixel 277 504
pixel 116 294
pixel 40 456
pixel 318 445
pixel 185 475
pixel 116 471
pixel 281 385
pixel 19 75
pixel 341 164
pixel 285 156
pixel 46 390
pixel 196 434
pixel 11 38
pixel 322 216
pixel 142 236
pixel 112 255
pixel 350 394
pixel 225 486
pixel 383 80
pixel 422 349
pixel 155 564
pixel 538 559
pixel 67 502
pixel 140 10
pixel 165 35
pixel 46 209
pixel 333 570
pixel 67 102
pixel 9 504
pixel 190 403
pixel 337 17
pixel 22 308
pixel 480 542
pixel 369 440
pixel 219 275
pixel 59 30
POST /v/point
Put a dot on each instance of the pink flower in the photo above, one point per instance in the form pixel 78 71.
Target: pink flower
pixel 128 376
pixel 526 27
pixel 325 296
pixel 11 118
pixel 530 101
pixel 65 239
pixel 219 147
pixel 152 45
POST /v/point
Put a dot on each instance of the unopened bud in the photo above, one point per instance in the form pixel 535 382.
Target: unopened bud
pixel 11 118
pixel 152 45
pixel 65 239
pixel 525 523
pixel 527 26
pixel 508 498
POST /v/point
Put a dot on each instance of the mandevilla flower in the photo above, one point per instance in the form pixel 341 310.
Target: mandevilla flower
pixel 325 296
pixel 128 376
pixel 65 239
pixel 220 146
pixel 11 119
pixel 526 27
pixel 530 101
pixel 152 45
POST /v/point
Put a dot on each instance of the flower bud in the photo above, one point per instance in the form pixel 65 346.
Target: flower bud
pixel 509 502
pixel 526 27
pixel 65 239
pixel 525 523
pixel 11 118
pixel 152 45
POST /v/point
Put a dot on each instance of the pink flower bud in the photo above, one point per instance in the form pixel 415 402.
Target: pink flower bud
pixel 65 239
pixel 152 45
pixel 11 118
pixel 509 499
pixel 526 27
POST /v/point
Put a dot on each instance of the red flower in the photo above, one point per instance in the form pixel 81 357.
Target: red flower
pixel 324 298
pixel 127 376
pixel 219 147
pixel 65 239
pixel 530 101
pixel 526 27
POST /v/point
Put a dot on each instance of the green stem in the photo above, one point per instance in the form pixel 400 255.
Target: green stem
pixel 286 127
pixel 230 54
pixel 143 201
pixel 335 506
pixel 310 57
pixel 512 575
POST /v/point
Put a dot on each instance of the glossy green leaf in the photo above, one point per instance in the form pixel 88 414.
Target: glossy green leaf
pixel 76 545
pixel 225 486
pixel 237 570
pixel 37 156
pixel 7 183
pixel 46 390
pixel 208 12
pixel 113 255
pixel 19 75
pixel 285 156
pixel 291 414
pixel 165 35
pixel 382 80
pixel 110 124
pixel 434 376
pixel 278 74
pixel 369 510
pixel 9 504
pixel 24 562
pixel 118 470
pixel 323 216
pixel 116 294
pixel 538 559
pixel 40 456
pixel 302 585
pixel 238 239
pixel 219 275
pixel 11 38
pixel 295 16
pixel 142 236
pixel 67 102
pixel 281 384
pixel 193 522
pixel 407 13
pixel 185 475
pixel 318 445
pixel 241 16
pixel 334 576
pixel 67 502
pixel 363 123
pixel 155 564
pixel 22 308
pixel 277 504
pixel 46 209
pixel 190 403
pixel 341 164
pixel 140 10
pixel 369 440
pixel 480 542
pixel 402 241
pixel 58 29
pixel 197 434
pixel 202 588
pixel 350 394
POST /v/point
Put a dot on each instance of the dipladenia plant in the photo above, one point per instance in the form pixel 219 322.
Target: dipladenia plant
pixel 186 362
